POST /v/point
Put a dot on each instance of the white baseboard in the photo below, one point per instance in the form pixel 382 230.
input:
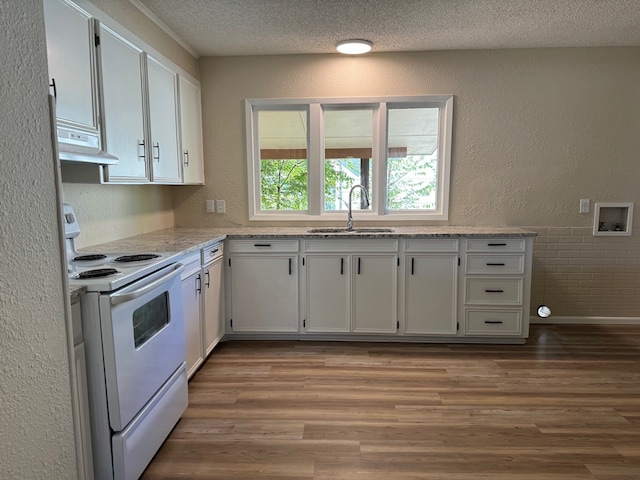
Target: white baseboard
pixel 586 320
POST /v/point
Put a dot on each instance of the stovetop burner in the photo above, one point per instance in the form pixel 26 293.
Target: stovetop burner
pixel 136 258
pixel 97 273
pixel 88 258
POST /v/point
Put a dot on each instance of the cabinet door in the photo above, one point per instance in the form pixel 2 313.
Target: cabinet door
pixel 375 293
pixel 191 288
pixel 264 293
pixel 163 121
pixel 430 294
pixel 191 132
pixel 121 65
pixel 327 293
pixel 212 305
pixel 70 53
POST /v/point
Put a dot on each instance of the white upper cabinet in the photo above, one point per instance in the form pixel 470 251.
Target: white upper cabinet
pixel 191 132
pixel 118 102
pixel 121 67
pixel 70 52
pixel 163 121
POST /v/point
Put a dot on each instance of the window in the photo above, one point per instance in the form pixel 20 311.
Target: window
pixel 305 155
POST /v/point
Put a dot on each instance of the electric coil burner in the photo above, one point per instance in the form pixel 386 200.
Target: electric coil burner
pixel 97 273
pixel 89 258
pixel 136 258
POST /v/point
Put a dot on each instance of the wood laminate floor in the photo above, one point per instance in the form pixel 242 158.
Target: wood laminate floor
pixel 564 406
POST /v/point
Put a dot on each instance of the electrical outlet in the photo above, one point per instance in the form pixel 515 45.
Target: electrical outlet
pixel 584 205
pixel 211 208
pixel 220 206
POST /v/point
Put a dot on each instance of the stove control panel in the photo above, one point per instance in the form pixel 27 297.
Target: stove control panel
pixel 71 227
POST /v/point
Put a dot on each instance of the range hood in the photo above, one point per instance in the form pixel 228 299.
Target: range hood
pixel 77 146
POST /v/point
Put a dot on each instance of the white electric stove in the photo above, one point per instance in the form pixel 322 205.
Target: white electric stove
pixel 133 326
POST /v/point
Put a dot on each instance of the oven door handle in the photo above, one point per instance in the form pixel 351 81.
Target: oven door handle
pixel 118 298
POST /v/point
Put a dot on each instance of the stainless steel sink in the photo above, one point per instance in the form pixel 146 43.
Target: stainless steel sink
pixel 355 230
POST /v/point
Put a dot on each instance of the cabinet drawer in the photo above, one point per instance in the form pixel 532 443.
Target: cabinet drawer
pixel 431 245
pixel 263 245
pixel 500 264
pixel 212 252
pixel 496 245
pixel 493 322
pixel 493 291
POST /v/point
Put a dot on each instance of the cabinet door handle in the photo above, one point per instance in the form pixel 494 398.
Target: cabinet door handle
pixel 494 291
pixel 290 264
pixel 186 158
pixel 156 145
pixel 489 264
pixel 359 265
pixel 141 144
pixel 493 322
pixel 199 284
pixel 55 90
pixel 261 244
pixel 496 244
pixel 207 283
pixel 342 266
pixel 413 261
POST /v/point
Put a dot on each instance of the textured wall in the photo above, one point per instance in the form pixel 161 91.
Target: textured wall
pixel 36 432
pixel 534 130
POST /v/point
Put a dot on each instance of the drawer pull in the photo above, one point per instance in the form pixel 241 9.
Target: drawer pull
pixel 489 264
pixel 493 322
pixel 488 290
pixel 496 244
pixel 261 244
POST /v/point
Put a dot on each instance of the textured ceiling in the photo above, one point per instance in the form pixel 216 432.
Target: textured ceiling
pixel 270 27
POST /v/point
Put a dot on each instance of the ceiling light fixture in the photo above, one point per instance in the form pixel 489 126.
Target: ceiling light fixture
pixel 354 47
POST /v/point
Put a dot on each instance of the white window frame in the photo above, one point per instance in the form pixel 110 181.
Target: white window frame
pixel 315 150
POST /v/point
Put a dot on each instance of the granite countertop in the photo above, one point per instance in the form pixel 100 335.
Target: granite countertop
pixel 187 240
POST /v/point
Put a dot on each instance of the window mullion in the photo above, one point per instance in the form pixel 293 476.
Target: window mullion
pixel 315 158
pixel 380 158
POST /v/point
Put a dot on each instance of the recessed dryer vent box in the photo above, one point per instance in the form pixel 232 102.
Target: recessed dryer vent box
pixel 612 219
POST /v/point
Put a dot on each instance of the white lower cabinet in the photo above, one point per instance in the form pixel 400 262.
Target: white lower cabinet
pixel 327 287
pixel 213 303
pixel 202 299
pixel 192 305
pixel 353 290
pixel 264 286
pixel 448 287
pixel 430 294
pixel 375 293
pixel 495 287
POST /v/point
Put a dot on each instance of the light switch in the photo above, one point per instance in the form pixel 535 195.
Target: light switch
pixel 220 207
pixel 210 206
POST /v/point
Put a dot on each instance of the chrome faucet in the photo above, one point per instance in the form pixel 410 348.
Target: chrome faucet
pixel 349 214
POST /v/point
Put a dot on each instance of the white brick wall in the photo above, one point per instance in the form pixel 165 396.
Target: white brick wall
pixel 579 275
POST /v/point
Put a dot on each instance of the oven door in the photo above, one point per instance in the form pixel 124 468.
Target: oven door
pixel 142 339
